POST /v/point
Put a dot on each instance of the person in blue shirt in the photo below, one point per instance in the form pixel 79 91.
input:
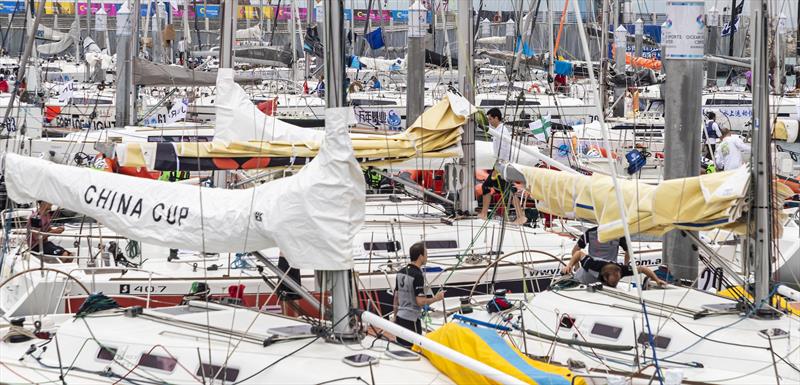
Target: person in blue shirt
pixel 376 84
pixel 320 90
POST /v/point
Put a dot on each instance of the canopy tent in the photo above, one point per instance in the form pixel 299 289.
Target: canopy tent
pixel 705 202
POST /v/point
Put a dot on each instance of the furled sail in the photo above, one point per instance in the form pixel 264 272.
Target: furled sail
pixel 147 73
pixel 698 203
pixel 247 138
pixel 65 41
pixel 312 216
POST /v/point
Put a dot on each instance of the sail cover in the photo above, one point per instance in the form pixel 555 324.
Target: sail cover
pixel 65 41
pixel 698 203
pixel 245 138
pixel 312 216
pixel 147 73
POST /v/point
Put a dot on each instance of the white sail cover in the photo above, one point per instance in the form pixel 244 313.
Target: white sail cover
pixel 238 119
pixel 312 216
pixel 65 41
pixel 253 32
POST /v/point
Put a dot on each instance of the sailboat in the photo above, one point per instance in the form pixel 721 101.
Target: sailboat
pixel 680 333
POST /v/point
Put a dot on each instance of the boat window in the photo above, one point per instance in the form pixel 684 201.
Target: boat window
pixel 442 244
pixel 502 102
pixel 80 100
pixel 372 102
pixel 660 341
pixel 382 246
pixel 723 102
pixel 158 362
pixel 217 372
pixel 106 354
pixel 607 331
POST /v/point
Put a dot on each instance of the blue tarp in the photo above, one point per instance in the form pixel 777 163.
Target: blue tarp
pixel 375 39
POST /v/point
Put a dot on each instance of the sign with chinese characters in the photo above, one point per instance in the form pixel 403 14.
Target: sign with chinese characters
pixel 379 118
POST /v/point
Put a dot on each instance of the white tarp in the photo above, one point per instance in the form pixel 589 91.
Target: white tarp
pixel 311 217
pixel 238 119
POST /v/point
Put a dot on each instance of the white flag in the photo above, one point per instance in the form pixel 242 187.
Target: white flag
pixel 178 111
pixel 67 90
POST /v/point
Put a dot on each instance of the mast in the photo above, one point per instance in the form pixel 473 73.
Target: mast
pixel 415 69
pixel 603 57
pixel 550 43
pixel 683 118
pixel 731 24
pixel 337 281
pixel 712 21
pixel 761 235
pixel 620 49
pixel 229 15
pixel 466 83
pixel 309 20
pixel 125 52
pixel 23 62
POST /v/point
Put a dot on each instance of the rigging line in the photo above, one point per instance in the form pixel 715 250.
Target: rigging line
pixel 289 354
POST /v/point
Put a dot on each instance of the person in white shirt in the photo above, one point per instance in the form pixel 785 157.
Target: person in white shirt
pixel 729 151
pixel 502 149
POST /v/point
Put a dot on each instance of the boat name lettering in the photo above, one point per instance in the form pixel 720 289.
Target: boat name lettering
pixel 10 124
pixel 113 201
pixel 171 214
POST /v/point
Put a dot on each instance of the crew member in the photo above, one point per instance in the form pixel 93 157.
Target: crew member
pixel 41 221
pixel 602 251
pixel 711 134
pixel 729 151
pixel 502 150
pixel 410 294
pixel 609 273
pixel 376 84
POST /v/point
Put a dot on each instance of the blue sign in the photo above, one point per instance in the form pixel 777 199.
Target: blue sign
pixel 10 7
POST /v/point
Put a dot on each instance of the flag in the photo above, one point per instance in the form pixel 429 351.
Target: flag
pixel 178 111
pixel 66 92
pixel 732 26
pixel 375 39
pixel 526 49
pixel 541 128
pixel 355 63
pixel 563 68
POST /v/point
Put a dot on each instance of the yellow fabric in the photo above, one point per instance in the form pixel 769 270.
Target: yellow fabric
pixel 779 131
pixel 435 134
pixel 465 341
pixel 698 203
pixel 779 302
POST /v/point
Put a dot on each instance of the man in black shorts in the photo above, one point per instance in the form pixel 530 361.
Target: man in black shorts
pixel 410 294
pixel 502 150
